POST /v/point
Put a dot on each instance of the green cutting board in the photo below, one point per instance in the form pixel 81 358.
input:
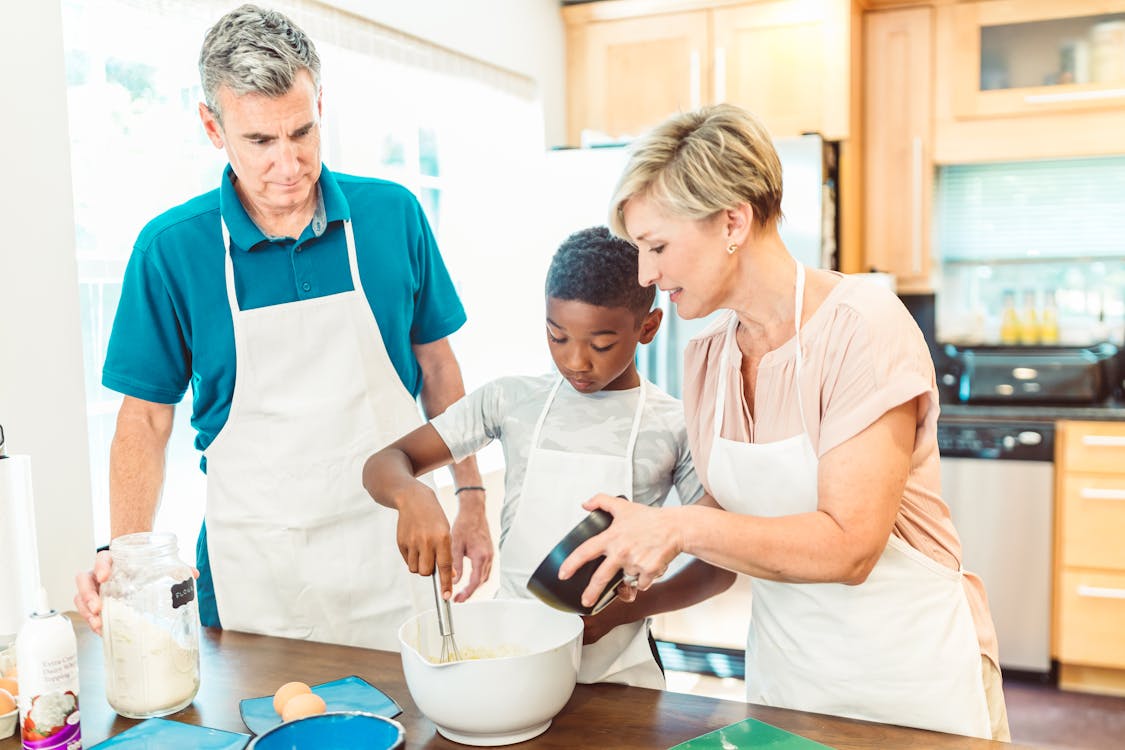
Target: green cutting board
pixel 750 734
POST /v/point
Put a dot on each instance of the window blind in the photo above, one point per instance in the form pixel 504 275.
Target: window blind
pixel 1032 210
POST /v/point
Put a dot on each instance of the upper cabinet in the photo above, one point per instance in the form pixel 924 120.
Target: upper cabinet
pixel 785 61
pixel 1025 58
pixel 898 168
pixel 628 74
pixel 632 63
pixel 1023 78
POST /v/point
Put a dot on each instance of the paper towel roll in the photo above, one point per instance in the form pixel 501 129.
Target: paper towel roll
pixel 19 550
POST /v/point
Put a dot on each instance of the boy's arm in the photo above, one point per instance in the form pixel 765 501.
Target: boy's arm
pixel 694 583
pixel 423 534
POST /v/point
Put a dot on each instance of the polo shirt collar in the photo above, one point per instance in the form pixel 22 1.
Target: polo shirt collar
pixel 331 205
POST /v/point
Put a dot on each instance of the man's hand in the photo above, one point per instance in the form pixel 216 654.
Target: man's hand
pixel 88 600
pixel 471 539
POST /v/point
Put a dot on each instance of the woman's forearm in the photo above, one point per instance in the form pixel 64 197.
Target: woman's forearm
pixel 801 548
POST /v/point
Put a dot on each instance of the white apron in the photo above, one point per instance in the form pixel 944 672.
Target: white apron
pixel 554 487
pixel 900 648
pixel 297 547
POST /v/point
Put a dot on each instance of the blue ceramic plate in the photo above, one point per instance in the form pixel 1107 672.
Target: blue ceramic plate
pixel 346 694
pixel 163 734
pixel 334 731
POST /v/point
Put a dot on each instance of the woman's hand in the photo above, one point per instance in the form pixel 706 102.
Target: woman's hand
pixel 641 541
pixel 471 539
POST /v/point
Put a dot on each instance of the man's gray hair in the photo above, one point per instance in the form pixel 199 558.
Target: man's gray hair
pixel 253 50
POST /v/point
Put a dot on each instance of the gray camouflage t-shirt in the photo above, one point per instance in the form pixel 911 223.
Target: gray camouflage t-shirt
pixel 507 409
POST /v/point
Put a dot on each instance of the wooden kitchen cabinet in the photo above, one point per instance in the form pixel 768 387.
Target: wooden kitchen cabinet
pixel 898 168
pixel 626 75
pixel 786 61
pixel 1024 79
pixel 631 63
pixel 1089 611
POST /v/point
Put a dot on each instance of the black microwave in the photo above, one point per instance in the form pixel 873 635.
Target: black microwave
pixel 1029 374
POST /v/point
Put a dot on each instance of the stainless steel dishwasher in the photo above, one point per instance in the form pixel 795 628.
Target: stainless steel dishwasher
pixel 997 477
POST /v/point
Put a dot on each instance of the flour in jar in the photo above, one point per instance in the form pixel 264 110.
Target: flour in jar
pixel 147 671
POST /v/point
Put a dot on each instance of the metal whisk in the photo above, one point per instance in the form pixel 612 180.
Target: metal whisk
pixel 449 650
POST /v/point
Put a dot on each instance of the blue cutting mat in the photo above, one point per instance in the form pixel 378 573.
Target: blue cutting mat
pixel 750 734
pixel 346 694
pixel 163 734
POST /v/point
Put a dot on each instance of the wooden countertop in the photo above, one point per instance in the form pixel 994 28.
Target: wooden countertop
pixel 238 665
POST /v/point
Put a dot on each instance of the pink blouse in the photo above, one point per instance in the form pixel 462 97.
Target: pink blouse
pixel 863 355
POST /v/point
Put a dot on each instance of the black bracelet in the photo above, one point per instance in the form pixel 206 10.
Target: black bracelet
pixel 459 490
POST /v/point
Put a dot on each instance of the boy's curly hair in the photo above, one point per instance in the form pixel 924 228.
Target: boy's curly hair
pixel 595 267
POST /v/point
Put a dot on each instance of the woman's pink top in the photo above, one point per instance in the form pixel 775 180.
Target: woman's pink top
pixel 863 355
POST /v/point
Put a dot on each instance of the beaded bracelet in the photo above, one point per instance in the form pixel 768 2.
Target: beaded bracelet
pixel 459 490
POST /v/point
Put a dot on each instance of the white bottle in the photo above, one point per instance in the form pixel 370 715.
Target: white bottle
pixel 47 654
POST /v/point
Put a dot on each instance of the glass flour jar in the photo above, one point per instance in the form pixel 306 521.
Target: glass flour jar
pixel 150 627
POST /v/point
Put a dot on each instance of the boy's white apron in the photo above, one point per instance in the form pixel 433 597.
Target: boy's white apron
pixel 297 547
pixel 899 648
pixel 554 488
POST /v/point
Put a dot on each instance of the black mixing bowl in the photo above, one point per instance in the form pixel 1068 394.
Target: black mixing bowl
pixel 567 595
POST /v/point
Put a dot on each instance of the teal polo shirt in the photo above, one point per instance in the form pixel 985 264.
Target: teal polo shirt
pixel 173 324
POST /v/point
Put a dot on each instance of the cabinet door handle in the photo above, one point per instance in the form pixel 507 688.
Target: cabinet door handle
pixel 720 74
pixel 1104 441
pixel 696 80
pixel 1094 493
pixel 916 206
pixel 1100 592
pixel 1074 96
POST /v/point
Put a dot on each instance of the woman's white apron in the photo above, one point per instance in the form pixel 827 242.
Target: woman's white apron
pixel 900 648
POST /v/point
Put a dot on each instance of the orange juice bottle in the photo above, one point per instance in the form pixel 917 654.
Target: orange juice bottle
pixel 1029 322
pixel 1049 322
pixel 1009 320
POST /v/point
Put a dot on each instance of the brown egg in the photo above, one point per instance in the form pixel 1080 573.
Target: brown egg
pixel 10 685
pixel 7 702
pixel 287 691
pixel 305 704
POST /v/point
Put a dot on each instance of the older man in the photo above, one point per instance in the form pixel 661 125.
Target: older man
pixel 308 310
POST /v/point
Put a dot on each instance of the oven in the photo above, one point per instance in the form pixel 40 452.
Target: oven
pixel 997 477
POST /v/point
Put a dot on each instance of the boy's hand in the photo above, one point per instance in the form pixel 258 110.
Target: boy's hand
pixel 595 627
pixel 471 539
pixel 423 536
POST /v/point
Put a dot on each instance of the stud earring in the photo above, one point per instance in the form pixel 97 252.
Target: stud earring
pixel 731 248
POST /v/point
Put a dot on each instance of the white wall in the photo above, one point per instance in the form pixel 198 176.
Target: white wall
pixel 524 36
pixel 42 404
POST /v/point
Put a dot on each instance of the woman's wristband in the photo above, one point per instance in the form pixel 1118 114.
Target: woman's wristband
pixel 459 490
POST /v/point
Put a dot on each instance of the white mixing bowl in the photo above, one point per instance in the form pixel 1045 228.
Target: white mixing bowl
pixel 520 667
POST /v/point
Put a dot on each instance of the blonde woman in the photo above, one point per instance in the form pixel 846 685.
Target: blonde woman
pixel 812 415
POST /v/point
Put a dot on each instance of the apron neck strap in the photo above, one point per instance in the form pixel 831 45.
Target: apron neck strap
pixel 729 342
pixel 633 431
pixel 232 296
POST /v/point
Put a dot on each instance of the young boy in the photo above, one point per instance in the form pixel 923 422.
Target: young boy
pixel 594 426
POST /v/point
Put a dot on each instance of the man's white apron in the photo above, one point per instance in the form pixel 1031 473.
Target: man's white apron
pixel 297 547
pixel 554 487
pixel 899 648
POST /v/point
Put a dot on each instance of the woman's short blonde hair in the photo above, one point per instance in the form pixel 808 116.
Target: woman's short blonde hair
pixel 701 162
